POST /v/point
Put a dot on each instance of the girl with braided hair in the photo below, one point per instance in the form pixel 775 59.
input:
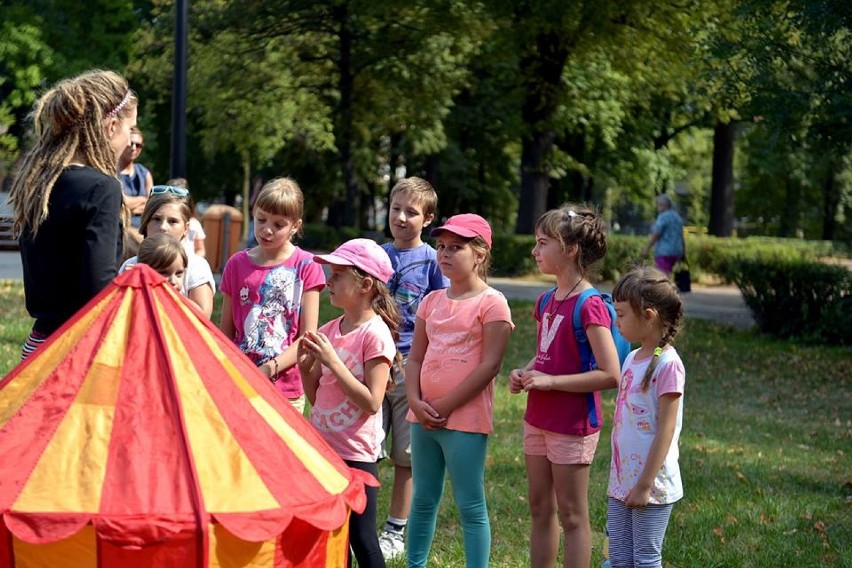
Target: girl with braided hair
pixel 644 479
pixel 66 197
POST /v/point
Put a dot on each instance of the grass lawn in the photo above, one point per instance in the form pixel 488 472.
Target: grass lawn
pixel 766 454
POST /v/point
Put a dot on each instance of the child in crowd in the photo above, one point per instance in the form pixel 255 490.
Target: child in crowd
pixel 166 256
pixel 193 242
pixel 460 336
pixel 167 211
pixel 416 273
pixel 271 291
pixel 563 416
pixel 346 368
pixel 644 476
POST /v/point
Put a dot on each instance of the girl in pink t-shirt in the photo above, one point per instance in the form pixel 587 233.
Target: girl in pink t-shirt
pixel 561 425
pixel 460 335
pixel 271 291
pixel 346 368
pixel 644 478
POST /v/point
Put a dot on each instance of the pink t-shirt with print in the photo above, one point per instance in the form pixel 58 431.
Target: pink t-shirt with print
pixel 265 304
pixel 353 433
pixel 455 332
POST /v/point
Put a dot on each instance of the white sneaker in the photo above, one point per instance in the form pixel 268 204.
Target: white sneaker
pixel 392 544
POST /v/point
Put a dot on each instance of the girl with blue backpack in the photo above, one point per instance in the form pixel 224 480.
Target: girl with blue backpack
pixel 572 364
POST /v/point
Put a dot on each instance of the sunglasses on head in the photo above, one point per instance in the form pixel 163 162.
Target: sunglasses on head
pixel 173 189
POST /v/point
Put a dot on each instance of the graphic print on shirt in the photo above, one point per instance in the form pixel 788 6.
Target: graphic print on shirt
pixel 339 413
pixel 268 324
pixel 618 418
pixel 407 293
pixel 549 327
pixel 455 347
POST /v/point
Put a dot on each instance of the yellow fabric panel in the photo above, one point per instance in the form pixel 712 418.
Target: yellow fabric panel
pixel 337 546
pixel 228 551
pixel 229 482
pixel 77 551
pixel 331 479
pixel 69 475
pixel 16 393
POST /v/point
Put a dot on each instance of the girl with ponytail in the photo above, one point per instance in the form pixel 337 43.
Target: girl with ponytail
pixel 345 368
pixel 644 479
pixel 66 197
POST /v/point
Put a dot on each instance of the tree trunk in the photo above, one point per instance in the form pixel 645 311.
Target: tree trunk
pixel 343 136
pixel 792 208
pixel 541 65
pixel 722 187
pixel 830 203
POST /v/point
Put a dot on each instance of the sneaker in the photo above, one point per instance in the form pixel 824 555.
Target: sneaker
pixel 392 544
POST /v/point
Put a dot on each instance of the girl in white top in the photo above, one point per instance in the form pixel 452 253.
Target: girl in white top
pixel 644 479
pixel 167 211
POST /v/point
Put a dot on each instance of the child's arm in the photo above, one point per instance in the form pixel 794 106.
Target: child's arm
pixel 202 296
pixel 495 338
pixel 367 396
pixel 308 320
pixel 226 319
pixel 309 369
pixel 604 377
pixel 423 411
pixel 200 248
pixel 666 422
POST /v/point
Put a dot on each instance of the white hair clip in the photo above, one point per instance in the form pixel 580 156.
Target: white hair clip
pixel 572 213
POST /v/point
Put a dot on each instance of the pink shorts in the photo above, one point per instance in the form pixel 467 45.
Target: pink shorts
pixel 560 449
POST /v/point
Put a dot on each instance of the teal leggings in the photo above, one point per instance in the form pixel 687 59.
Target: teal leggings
pixel 462 454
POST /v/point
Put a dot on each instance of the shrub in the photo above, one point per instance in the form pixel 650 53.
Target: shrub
pixel 795 298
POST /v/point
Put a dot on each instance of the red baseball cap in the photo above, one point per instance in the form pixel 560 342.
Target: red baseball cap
pixel 466 225
pixel 365 254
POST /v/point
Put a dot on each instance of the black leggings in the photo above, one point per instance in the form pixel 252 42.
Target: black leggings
pixel 363 537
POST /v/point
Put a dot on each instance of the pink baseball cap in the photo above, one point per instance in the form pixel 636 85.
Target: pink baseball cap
pixel 466 225
pixel 361 253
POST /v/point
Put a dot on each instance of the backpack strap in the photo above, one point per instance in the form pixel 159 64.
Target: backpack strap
pixel 542 302
pixel 586 355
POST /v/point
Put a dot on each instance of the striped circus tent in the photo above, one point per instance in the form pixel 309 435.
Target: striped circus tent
pixel 139 435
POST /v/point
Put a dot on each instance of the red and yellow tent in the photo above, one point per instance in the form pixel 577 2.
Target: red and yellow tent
pixel 139 435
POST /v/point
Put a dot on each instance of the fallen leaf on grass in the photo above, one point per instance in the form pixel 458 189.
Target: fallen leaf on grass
pixel 741 476
pixel 765 519
pixel 731 519
pixel 720 534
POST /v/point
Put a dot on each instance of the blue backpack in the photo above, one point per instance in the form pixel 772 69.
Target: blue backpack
pixel 587 358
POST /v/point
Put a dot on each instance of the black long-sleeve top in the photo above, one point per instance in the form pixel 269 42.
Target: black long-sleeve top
pixel 78 247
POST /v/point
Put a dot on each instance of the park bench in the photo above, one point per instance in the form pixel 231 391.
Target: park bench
pixel 7 242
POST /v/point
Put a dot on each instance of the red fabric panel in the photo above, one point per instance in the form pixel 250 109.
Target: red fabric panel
pixel 37 528
pixel 26 435
pixel 302 546
pixel 148 472
pixel 7 557
pixel 179 552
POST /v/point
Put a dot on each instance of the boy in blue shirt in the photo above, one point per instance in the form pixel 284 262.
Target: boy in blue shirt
pixel 412 208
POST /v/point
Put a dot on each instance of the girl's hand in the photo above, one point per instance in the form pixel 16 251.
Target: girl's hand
pixel 638 497
pixel 304 358
pixel 427 416
pixel 536 380
pixel 516 384
pixel 318 345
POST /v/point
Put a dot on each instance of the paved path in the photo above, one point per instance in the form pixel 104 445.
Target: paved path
pixel 723 304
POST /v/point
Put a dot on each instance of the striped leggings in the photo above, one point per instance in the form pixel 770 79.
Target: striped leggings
pixel 32 343
pixel 636 535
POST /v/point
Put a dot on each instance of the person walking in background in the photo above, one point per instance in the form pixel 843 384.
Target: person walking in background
pixel 136 179
pixel 416 273
pixel 66 199
pixel 167 211
pixel 193 242
pixel 460 336
pixel 271 291
pixel 666 236
pixel 345 369
pixel 563 417
pixel 644 475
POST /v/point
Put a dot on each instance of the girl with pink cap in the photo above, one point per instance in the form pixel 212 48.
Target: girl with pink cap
pixel 345 367
pixel 460 336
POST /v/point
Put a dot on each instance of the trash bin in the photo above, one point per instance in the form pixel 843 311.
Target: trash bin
pixel 223 226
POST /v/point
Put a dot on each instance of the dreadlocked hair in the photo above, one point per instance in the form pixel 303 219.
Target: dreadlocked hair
pixel 385 307
pixel 68 121
pixel 644 288
pixel 576 224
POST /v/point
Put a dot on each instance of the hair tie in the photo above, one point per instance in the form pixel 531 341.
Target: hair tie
pixel 658 351
pixel 121 105
pixel 572 213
